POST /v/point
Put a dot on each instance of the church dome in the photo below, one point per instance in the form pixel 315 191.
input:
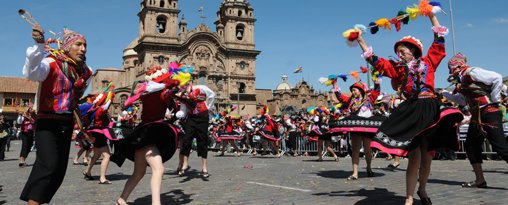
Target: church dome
pixel 129 51
pixel 284 85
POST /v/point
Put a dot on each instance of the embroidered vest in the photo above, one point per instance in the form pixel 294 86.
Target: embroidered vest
pixel 58 92
pixel 477 93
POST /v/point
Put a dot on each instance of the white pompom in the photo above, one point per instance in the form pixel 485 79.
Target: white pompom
pixel 180 114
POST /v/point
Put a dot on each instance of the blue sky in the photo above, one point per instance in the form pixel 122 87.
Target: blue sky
pixel 289 33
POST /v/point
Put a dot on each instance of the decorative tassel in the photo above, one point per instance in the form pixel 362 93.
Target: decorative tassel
pixel 373 28
pixel 436 7
pixel 351 34
pixel 361 27
pixel 384 23
pixel 343 77
pixel 184 78
pixel 425 9
pixel 354 74
pixel 405 18
pixel 322 80
pixel 412 12
pixel 396 23
pixel 310 110
pixel 364 69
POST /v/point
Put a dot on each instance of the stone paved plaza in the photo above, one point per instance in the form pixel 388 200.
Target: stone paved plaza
pixel 265 180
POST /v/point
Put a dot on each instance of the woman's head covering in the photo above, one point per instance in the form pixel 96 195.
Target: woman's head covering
pixel 411 41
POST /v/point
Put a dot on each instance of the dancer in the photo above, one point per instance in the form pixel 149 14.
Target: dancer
pixel 293 134
pixel 27 134
pixel 480 89
pixel 361 123
pixel 417 125
pixel 63 77
pixel 267 131
pixel 195 108
pixel 229 134
pixel 319 129
pixel 100 130
pixel 153 141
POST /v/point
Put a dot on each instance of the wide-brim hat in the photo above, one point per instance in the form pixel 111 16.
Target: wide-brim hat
pixel 411 41
pixel 362 87
pixel 157 74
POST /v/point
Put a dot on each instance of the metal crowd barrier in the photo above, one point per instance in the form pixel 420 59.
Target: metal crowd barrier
pixel 340 144
pixel 487 149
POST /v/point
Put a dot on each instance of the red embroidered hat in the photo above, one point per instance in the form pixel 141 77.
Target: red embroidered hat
pixel 157 74
pixel 411 41
pixel 361 86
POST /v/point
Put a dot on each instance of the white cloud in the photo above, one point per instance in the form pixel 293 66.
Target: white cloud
pixel 501 20
pixel 469 25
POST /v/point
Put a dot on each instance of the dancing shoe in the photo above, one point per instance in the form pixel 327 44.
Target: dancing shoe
pixel 424 200
pixel 474 184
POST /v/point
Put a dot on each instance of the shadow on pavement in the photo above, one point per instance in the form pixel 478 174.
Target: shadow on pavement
pixel 500 171
pixel 117 176
pixel 459 184
pixel 441 181
pixel 192 174
pixel 339 174
pixel 378 196
pixel 173 197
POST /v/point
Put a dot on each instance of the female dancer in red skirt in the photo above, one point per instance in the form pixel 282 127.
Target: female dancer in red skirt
pixel 153 141
pixel 417 125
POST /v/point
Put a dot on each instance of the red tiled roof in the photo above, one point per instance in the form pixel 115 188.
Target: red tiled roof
pixel 17 85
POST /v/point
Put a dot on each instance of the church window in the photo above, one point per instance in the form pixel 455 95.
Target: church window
pixel 161 24
pixel 242 65
pixel 8 101
pixel 239 13
pixel 160 60
pixel 241 88
pixel 161 4
pixel 240 31
pixel 220 33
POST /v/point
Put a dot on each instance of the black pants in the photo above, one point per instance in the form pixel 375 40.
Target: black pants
pixel 195 127
pixel 3 142
pixel 494 128
pixel 53 139
pixel 291 142
pixel 27 141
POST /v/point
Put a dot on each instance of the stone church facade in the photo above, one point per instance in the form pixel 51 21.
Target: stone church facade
pixel 288 99
pixel 224 59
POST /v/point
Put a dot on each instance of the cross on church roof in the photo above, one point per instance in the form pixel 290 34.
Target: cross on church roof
pixel 202 16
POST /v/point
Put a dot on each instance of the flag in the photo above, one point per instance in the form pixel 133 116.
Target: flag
pixel 298 70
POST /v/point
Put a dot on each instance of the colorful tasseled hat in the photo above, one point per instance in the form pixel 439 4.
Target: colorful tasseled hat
pixel 70 37
pixel 412 41
pixel 458 60
pixel 104 98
